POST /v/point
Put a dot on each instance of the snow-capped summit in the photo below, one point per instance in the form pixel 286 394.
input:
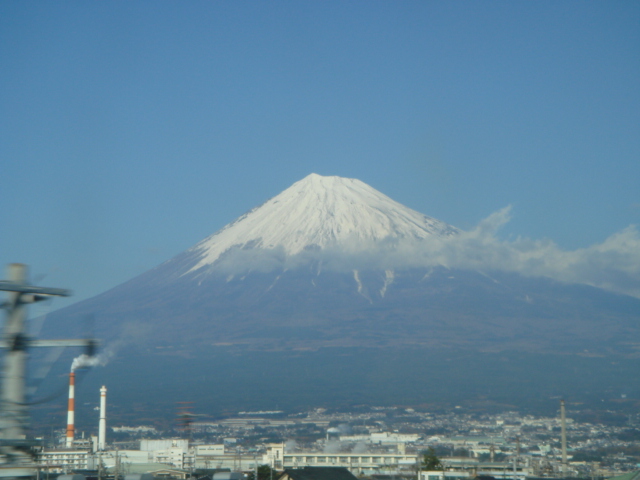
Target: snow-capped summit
pixel 318 212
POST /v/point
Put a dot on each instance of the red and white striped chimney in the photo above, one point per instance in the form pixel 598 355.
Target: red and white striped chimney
pixel 71 410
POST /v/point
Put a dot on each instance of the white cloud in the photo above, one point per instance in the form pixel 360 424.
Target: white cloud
pixel 613 264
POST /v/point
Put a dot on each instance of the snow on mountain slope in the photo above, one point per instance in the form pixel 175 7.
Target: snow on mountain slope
pixel 319 212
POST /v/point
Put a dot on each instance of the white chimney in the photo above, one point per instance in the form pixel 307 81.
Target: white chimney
pixel 102 426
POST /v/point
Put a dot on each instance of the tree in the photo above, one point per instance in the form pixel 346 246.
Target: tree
pixel 430 461
pixel 265 472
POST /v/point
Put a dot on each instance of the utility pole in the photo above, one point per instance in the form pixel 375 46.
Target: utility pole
pixel 15 458
pixel 117 467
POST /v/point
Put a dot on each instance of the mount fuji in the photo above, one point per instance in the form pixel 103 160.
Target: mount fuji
pixel 329 267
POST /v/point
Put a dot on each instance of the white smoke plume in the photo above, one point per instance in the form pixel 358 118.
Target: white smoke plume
pixel 130 333
pixel 99 360
pixel 83 361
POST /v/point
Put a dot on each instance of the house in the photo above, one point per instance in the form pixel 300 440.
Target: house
pixel 317 473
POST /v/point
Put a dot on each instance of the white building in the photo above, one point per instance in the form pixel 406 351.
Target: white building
pixel 65 459
pixel 357 463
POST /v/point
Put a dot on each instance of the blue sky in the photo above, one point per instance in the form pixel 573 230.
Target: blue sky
pixel 129 131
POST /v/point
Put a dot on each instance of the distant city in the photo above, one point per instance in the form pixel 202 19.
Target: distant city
pixel 369 441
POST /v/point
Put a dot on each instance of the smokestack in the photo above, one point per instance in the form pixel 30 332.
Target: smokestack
pixel 71 410
pixel 102 425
